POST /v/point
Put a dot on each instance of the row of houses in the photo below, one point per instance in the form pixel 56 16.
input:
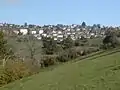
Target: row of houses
pixel 59 32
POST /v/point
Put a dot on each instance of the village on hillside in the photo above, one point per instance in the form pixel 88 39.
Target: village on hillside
pixel 59 31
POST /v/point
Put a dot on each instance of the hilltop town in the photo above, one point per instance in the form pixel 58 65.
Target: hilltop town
pixel 59 31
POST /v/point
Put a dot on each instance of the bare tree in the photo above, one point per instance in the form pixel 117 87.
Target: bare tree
pixel 33 48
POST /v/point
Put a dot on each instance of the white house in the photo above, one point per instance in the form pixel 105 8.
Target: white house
pixel 73 38
pixel 53 31
pixel 80 32
pixel 78 29
pixel 68 29
pixel 16 31
pixel 24 31
pixel 55 38
pixel 35 35
pixel 72 26
pixel 55 34
pixel 73 33
pixel 11 25
pixel 59 32
pixel 44 34
pixel 1 24
pixel 60 36
pixel 33 32
pixel 41 32
pixel 83 28
pixel 61 39
pixel 49 36
pixel 64 28
pixel 92 34
pixel 96 35
pixel 68 33
pixel 39 38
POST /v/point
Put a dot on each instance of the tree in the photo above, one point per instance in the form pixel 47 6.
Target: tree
pixel 99 26
pixel 77 42
pixel 3 44
pixel 83 24
pixel 82 37
pixel 49 45
pixel 110 40
pixel 5 52
pixel 94 26
pixel 28 33
pixel 25 24
pixel 32 46
pixel 31 26
pixel 68 42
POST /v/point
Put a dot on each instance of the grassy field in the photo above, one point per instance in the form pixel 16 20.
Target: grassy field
pixel 101 73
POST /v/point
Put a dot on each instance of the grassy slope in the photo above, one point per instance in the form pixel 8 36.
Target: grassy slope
pixel 97 74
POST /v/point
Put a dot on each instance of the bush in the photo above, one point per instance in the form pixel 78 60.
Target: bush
pixel 102 46
pixel 59 48
pixel 75 52
pixel 3 46
pixel 14 70
pixel 69 54
pixel 77 42
pixel 68 43
pixel 94 45
pixel 19 40
pixel 49 45
pixel 48 60
pixel 5 50
pixel 63 56
pixel 72 53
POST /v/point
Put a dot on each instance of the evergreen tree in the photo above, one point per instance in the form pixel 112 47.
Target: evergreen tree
pixel 83 24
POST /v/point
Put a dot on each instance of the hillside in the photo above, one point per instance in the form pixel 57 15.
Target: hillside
pixel 100 73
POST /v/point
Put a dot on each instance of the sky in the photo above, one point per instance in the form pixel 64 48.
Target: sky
pixel 104 12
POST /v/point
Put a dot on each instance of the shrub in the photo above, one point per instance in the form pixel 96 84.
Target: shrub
pixel 91 50
pixel 69 54
pixel 68 43
pixel 82 44
pixel 75 52
pixel 14 70
pixel 19 40
pixel 63 56
pixel 94 45
pixel 33 65
pixel 3 45
pixel 48 60
pixel 102 46
pixel 77 42
pixel 111 40
pixel 72 53
pixel 59 48
pixel 49 45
